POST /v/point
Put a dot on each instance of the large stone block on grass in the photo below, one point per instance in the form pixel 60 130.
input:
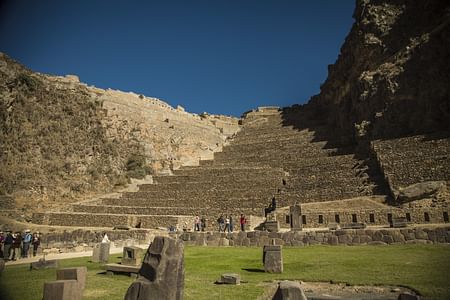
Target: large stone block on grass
pixel 100 252
pixel 162 272
pixel 78 274
pixel 44 264
pixel 132 256
pixel 230 278
pixel 272 259
pixel 289 290
pixel 62 290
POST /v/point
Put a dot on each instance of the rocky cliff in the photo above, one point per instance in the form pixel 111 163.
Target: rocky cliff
pixel 392 75
pixel 62 140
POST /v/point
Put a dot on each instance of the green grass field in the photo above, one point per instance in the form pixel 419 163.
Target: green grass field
pixel 425 268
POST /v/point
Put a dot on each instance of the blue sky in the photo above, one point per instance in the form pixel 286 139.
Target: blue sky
pixel 222 57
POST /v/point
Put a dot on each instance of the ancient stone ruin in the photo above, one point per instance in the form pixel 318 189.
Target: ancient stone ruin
pixel 371 149
pixel 69 284
pixel 162 273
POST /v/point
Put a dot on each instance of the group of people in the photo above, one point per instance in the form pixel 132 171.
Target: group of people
pixel 199 223
pixel 226 223
pixel 18 244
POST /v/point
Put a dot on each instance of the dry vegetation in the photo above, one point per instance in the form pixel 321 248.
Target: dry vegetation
pixel 53 144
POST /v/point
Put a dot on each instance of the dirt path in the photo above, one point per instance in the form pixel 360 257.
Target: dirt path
pixel 50 256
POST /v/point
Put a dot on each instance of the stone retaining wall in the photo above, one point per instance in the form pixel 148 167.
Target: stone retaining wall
pixel 108 220
pixel 417 235
pixel 84 240
pixel 322 219
pixel 413 159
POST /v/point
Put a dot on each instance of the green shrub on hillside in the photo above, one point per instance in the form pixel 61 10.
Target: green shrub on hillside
pixel 136 166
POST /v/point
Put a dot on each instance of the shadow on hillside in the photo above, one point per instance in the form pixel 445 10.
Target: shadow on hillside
pixel 302 118
pixel 366 166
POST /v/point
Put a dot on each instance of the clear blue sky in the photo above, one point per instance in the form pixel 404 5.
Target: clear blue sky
pixel 222 57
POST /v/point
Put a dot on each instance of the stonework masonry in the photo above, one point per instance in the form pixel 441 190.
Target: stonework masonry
pixel 85 240
pixel 385 236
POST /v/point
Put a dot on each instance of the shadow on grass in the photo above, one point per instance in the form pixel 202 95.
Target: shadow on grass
pixel 253 270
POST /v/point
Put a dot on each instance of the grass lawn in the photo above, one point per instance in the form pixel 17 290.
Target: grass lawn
pixel 425 268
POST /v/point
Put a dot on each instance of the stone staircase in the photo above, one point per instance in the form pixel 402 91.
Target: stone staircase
pixel 265 159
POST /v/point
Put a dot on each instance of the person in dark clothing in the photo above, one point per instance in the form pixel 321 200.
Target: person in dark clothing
pixel 203 223
pixel 221 222
pixel 15 248
pixel 27 239
pixel 36 242
pixel 242 221
pixel 2 240
pixel 271 207
pixel 9 239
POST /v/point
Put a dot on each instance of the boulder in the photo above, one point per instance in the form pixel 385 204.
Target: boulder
pixel 162 273
pixel 272 259
pixel 79 274
pixel 408 296
pixel 420 191
pixel 62 290
pixel 229 278
pixel 289 290
pixel 100 253
pixel 44 264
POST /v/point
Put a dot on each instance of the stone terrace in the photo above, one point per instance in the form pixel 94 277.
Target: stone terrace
pixel 265 159
pixel 413 159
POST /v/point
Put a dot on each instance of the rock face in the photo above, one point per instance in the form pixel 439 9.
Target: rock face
pixel 392 75
pixel 62 139
pixel 162 273
pixel 420 190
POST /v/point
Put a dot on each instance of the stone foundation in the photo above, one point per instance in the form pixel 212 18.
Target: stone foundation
pixel 385 236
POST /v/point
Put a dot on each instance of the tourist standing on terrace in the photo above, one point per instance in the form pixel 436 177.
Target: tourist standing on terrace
pixel 242 221
pixel 197 223
pixel 36 242
pixel 221 222
pixel 9 240
pixel 227 224
pixel 2 240
pixel 27 239
pixel 231 226
pixel 203 223
pixel 105 238
pixel 16 245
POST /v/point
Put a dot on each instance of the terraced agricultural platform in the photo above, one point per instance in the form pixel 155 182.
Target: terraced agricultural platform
pixel 267 158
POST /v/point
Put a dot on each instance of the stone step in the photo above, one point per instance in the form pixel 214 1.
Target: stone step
pixel 161 211
pixel 263 147
pixel 418 144
pixel 405 173
pixel 226 171
pixel 243 139
pixel 200 194
pixel 293 159
pixel 208 184
pixel 230 202
pixel 295 153
pixel 83 219
pixel 321 180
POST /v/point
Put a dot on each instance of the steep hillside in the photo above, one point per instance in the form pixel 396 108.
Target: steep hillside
pixel 62 140
pixel 392 76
